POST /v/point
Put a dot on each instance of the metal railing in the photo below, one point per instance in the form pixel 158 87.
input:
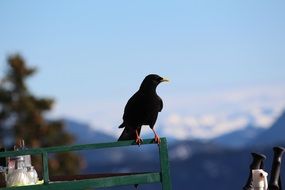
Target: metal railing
pixel 163 176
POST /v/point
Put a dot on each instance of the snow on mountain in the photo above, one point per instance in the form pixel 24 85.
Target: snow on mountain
pixel 213 125
pixel 274 135
pixel 195 115
pixel 239 138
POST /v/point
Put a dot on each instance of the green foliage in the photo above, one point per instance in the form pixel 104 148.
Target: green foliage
pixel 21 117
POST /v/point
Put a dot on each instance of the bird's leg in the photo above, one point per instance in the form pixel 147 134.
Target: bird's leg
pixel 156 137
pixel 138 138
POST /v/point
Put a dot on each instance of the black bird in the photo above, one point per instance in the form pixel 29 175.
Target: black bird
pixel 142 109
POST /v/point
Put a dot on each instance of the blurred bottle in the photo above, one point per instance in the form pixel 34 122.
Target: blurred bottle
pixel 27 158
pixel 20 170
pixel 19 176
pixel 33 174
pixel 259 179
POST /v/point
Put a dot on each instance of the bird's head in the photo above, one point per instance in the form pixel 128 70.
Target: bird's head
pixel 152 80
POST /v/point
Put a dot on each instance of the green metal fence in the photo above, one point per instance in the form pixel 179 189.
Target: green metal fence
pixel 97 181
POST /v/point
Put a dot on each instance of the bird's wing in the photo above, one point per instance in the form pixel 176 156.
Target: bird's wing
pixel 133 107
pixel 142 109
pixel 161 104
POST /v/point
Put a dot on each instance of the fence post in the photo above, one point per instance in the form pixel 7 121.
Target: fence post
pixel 45 167
pixel 164 165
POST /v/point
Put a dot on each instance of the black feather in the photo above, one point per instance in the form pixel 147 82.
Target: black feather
pixel 142 108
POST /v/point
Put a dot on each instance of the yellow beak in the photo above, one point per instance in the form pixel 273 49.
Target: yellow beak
pixel 164 80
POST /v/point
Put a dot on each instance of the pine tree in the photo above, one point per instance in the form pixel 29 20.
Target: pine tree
pixel 22 117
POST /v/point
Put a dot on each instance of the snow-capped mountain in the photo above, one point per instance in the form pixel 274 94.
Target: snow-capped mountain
pixel 274 135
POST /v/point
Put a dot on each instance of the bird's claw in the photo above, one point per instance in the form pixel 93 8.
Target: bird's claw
pixel 157 139
pixel 139 141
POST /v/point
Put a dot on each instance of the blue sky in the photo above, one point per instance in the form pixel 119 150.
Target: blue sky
pixel 221 57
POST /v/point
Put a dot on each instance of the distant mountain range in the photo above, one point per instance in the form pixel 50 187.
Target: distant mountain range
pixel 84 134
pixel 222 163
pixel 239 138
pixel 274 135
pixel 248 136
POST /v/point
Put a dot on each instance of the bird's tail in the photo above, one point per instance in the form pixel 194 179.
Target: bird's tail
pixel 129 133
